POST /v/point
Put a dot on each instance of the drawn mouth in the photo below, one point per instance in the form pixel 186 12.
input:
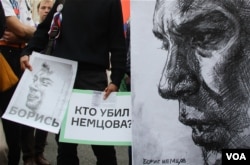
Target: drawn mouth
pixel 191 115
pixel 201 129
pixel 32 97
pixel 194 117
pixel 209 136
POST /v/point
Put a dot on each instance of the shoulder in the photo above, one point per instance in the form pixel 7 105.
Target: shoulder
pixel 8 9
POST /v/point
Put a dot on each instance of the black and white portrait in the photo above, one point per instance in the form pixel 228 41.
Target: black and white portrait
pixel 46 87
pixel 199 68
pixel 42 81
pixel 42 95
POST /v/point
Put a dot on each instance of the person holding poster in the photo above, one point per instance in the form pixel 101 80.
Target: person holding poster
pixel 207 70
pixel 33 144
pixel 33 152
pixel 92 34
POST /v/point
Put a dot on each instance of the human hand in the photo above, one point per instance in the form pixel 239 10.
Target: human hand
pixel 24 62
pixel 12 38
pixel 110 88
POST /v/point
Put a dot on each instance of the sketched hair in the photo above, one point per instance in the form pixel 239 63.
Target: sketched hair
pixel 46 68
pixel 240 9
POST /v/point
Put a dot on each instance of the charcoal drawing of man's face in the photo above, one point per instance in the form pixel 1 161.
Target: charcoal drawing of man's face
pixel 207 68
pixel 41 82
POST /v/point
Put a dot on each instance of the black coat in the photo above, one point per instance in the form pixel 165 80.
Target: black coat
pixel 91 31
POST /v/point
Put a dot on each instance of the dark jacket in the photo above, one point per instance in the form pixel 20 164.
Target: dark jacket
pixel 2 20
pixel 91 30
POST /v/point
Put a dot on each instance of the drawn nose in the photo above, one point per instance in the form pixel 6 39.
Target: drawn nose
pixel 175 87
pixel 34 86
pixel 179 78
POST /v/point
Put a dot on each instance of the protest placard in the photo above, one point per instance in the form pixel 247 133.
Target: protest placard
pixel 41 97
pixel 92 120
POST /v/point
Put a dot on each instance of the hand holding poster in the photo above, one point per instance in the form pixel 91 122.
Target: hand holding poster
pixel 41 97
pixel 92 120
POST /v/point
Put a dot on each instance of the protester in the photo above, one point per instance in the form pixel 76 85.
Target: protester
pixel 3 144
pixel 92 34
pixel 43 8
pixel 19 28
pixel 42 81
pixel 34 140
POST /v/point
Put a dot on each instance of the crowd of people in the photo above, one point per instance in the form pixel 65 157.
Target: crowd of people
pixel 91 44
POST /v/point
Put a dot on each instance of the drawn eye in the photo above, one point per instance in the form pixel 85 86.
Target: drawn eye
pixel 165 44
pixel 206 39
pixel 45 82
pixel 200 38
pixel 35 78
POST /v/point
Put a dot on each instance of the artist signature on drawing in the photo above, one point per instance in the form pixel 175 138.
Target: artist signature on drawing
pixel 165 161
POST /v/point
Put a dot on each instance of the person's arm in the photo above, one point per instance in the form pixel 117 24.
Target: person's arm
pixel 22 31
pixel 13 24
pixel 12 38
pixel 117 48
pixel 117 44
pixel 39 40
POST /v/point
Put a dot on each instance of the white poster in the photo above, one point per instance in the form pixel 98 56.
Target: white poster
pixel 158 136
pixel 190 80
pixel 92 120
pixel 42 95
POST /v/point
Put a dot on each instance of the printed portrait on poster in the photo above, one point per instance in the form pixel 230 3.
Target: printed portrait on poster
pixel 46 85
pixel 191 95
pixel 42 95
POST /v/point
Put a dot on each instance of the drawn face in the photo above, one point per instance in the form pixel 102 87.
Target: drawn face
pixel 206 57
pixel 41 82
